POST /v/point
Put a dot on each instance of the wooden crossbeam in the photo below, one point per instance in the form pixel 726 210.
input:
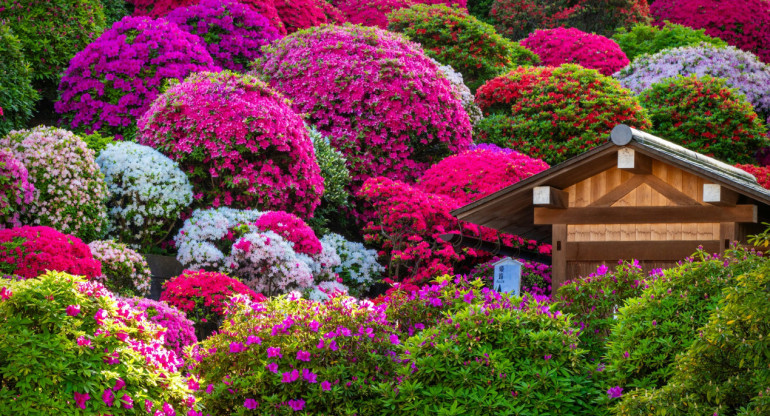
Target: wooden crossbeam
pixel 646 215
pixel 641 250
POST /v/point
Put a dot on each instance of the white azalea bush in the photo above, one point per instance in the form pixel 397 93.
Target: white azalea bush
pixel 461 91
pixel 358 267
pixel 124 271
pixel 148 191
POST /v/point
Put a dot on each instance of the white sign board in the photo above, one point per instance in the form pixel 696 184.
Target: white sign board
pixel 508 276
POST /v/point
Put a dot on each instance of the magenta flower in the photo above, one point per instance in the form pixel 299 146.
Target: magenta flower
pixel 108 398
pixel 250 404
pixel 626 354
pixel 394 339
pixel 320 345
pixel 333 346
pixel 289 377
pixel 303 355
pixel 548 357
pixel 81 399
pixel 83 342
pixel 168 410
pixel 5 293
pixel 272 367
pixel 309 376
pixel 314 325
pixel 73 310
pixel 297 405
pixel 119 384
pixel 325 385
pixel 100 316
pixel 209 388
pixel 128 402
pixel 468 297
pixel 236 347
pixel 252 339
pixel 274 352
pixel 615 392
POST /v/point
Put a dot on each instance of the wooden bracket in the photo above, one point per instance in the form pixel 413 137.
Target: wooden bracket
pixel 632 161
pixel 719 195
pixel 550 197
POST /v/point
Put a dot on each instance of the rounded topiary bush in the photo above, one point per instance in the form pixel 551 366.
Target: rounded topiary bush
pixel 572 46
pixel 17 97
pixel 70 192
pixel 16 190
pixel 113 81
pixel 124 271
pixel 180 331
pixel 51 33
pixel 554 113
pixel 92 354
pixel 704 115
pixel 647 39
pixel 741 23
pixel 239 142
pixel 30 251
pixel 233 32
pixel 376 95
pixel 446 33
pixel 147 190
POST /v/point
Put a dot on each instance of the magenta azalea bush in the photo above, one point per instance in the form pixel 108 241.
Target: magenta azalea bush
pixel 113 81
pixel 292 229
pixel 573 46
pixel 302 14
pixel 371 12
pixel 238 141
pixel 180 331
pixel 376 95
pixel 16 192
pixel 233 32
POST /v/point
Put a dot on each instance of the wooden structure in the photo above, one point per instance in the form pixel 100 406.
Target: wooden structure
pixel 635 197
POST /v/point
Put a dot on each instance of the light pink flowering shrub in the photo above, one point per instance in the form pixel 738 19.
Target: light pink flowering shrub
pixel 573 46
pixel 15 190
pixel 375 94
pixel 113 81
pixel 124 271
pixel 292 229
pixel 238 141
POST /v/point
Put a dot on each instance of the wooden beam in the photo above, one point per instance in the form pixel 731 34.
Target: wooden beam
pixel 632 161
pixel 727 234
pixel 548 196
pixel 558 256
pixel 646 215
pixel 719 195
pixel 612 251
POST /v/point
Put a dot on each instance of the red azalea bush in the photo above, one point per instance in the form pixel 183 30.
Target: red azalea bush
pixel 302 14
pixel 233 32
pixel 30 251
pixel 554 113
pixel 15 189
pixel 180 331
pixel 115 79
pixel 741 23
pixel 293 229
pixel 376 95
pixel 239 142
pixel 572 46
pixel 762 173
pixel 371 12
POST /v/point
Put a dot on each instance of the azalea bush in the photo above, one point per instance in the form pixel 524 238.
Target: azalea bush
pixel 461 92
pixel 30 251
pixel 69 347
pixel 147 190
pixel 358 266
pixel 180 331
pixel 124 271
pixel 372 13
pixel 762 173
pixel 303 14
pixel 16 190
pixel 17 97
pixel 554 113
pixel 562 46
pixel 706 116
pixel 648 39
pixel 258 156
pixel 383 105
pixel 233 32
pixel 461 41
pixel 160 8
pixel 69 191
pixel 113 81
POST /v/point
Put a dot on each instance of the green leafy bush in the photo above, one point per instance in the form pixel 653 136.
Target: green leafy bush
pixel 454 38
pixel 114 10
pixel 646 39
pixel 97 142
pixel 705 115
pixel 336 177
pixel 17 97
pixel 480 10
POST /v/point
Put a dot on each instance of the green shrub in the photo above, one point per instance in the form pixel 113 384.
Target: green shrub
pixel 454 38
pixel 114 10
pixel 480 10
pixel 704 115
pixel 336 177
pixel 97 142
pixel 646 39
pixel 17 97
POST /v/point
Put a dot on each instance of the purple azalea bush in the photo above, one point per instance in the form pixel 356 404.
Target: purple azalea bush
pixel 180 331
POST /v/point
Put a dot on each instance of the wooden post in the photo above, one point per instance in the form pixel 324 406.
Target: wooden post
pixel 559 256
pixel 727 234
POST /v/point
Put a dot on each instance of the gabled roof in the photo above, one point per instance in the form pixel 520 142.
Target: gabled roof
pixel 511 210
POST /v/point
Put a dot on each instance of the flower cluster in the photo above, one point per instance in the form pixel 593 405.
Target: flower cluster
pixel 706 116
pixel 741 23
pixel 18 98
pixel 16 193
pixel 372 13
pixel 113 81
pixel 180 331
pixel 292 229
pixel 762 173
pixel 124 270
pixel 30 251
pixel 239 142
pixel 358 266
pixel 70 192
pixel 377 96
pixel 461 91
pixel 554 113
pixel 233 32
pixel 302 14
pixel 647 39
pixel 561 46
pixel 461 41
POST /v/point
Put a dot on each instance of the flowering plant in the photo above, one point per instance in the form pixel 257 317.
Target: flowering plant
pixel 358 266
pixel 113 81
pixel 647 39
pixel 115 10
pixel 17 97
pixel 461 91
pixel 377 96
pixel 180 331
pixel 148 191
pixel 233 32
pixel 16 192
pixel 292 229
pixel 762 173
pixel 560 46
pixel 115 359
pixel 69 191
pixel 30 251
pixel 124 271
pixel 446 33
pixel 302 14
pixel 372 13
pixel 258 155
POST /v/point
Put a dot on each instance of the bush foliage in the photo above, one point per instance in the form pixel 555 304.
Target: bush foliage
pixel 17 97
pixel 648 39
pixel 572 46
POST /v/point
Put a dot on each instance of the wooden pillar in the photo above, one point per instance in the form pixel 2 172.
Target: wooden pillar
pixel 727 234
pixel 559 256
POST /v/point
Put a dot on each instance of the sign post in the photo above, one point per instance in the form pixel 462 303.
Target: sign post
pixel 508 276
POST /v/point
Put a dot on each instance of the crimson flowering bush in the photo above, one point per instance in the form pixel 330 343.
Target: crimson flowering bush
pixel 233 32
pixel 741 23
pixel 30 251
pixel 762 173
pixel 180 331
pixel 371 12
pixel 292 229
pixel 302 14
pixel 377 96
pixel 239 142
pixel 562 46
pixel 16 192
pixel 554 113
pixel 93 354
pixel 113 81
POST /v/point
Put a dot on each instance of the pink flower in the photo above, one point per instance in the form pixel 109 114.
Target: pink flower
pixel 309 376
pixel 81 399
pixel 615 392
pixel 272 367
pixel 108 398
pixel 5 293
pixel 303 355
pixel 394 339
pixel 168 410
pixel 119 384
pixel 274 352
pixel 333 346
pixel 73 310
pixel 326 386
pixel 297 405
pixel 83 342
pixel 250 404
pixel 209 388
pixel 314 325
pixel 251 339
pixel 236 347
pixel 289 377
pixel 128 403
pixel 100 316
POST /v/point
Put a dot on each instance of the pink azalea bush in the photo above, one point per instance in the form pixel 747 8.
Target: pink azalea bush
pixel 113 81
pixel 376 95
pixel 114 357
pixel 233 32
pixel 292 229
pixel 179 331
pixel 16 192
pixel 239 142
pixel 124 271
pixel 569 45
pixel 375 13
pixel 302 14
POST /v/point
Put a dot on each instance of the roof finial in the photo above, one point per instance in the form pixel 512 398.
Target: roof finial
pixel 621 135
